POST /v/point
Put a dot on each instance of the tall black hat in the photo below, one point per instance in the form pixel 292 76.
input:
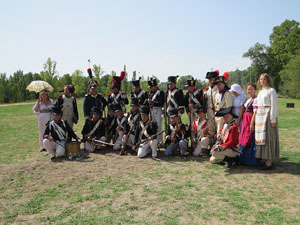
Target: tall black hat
pixel 95 109
pixel 136 83
pixel 201 109
pixel 115 82
pixel 134 101
pixel 213 74
pixel 110 106
pixel 144 110
pixel 117 107
pixel 190 82
pixel 93 84
pixel 173 112
pixel 221 79
pixel 225 111
pixel 152 82
pixel 56 110
pixel 172 79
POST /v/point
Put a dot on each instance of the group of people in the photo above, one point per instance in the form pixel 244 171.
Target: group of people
pixel 224 125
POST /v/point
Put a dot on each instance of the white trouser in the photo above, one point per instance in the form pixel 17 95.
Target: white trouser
pixel 55 148
pixel 157 114
pixel 118 143
pixel 218 156
pixel 203 144
pixel 146 148
pixel 90 146
pixel 219 121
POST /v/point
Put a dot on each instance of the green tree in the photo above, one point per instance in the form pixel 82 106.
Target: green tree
pixel 80 82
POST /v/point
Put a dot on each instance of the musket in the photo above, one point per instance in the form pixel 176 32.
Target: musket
pixel 191 121
pixel 148 139
pixel 165 109
pixel 103 142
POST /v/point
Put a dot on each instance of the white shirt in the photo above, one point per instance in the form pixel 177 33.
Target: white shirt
pixel 238 102
pixel 268 97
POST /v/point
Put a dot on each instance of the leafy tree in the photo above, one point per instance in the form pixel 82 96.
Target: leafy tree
pixel 80 82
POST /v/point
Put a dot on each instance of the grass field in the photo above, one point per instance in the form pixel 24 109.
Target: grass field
pixel 106 188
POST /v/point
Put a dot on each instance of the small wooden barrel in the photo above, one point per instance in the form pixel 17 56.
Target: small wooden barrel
pixel 290 105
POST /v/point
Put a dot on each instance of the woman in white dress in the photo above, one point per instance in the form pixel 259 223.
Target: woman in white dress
pixel 266 120
pixel 238 99
pixel 43 108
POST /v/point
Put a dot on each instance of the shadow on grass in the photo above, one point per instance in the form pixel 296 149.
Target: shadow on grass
pixel 281 165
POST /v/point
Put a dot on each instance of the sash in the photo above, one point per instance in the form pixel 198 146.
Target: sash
pixel 94 129
pixel 172 99
pixel 193 97
pixel 115 97
pixel 111 123
pixel 139 95
pixel 121 121
pixel 132 119
pixel 261 125
pixel 144 130
pixel 199 126
pixel 58 130
pixel 154 96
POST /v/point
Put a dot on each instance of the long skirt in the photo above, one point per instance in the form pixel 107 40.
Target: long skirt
pixel 248 154
pixel 246 135
pixel 271 148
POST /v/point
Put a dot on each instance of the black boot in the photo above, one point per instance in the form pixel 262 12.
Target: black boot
pixel 229 161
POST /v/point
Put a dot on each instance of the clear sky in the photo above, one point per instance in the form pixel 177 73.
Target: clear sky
pixel 153 37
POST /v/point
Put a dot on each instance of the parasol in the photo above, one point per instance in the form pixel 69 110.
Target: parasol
pixel 39 85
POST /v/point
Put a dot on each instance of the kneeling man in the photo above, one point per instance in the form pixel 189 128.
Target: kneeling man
pixel 57 133
pixel 226 147
pixel 93 129
pixel 144 131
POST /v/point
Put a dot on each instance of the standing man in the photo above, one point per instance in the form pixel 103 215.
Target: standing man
pixel 138 93
pixel 175 97
pixel 68 105
pixel 223 99
pixel 193 99
pixel 93 98
pixel 145 130
pixel 209 94
pixel 117 97
pixel 156 101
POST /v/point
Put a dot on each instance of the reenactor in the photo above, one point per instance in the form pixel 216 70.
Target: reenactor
pixel 110 123
pixel 156 101
pixel 138 93
pixel 174 96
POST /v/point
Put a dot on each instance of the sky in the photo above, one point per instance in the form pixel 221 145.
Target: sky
pixel 152 37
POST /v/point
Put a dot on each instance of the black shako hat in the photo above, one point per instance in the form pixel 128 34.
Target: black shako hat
pixel 172 79
pixel 173 112
pixel 56 110
pixel 225 111
pixel 190 82
pixel 201 109
pixel 136 83
pixel 96 110
pixel 152 82
pixel 211 75
pixel 134 101
pixel 144 110
pixel 117 107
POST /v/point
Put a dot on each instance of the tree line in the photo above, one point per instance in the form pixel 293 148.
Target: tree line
pixel 281 59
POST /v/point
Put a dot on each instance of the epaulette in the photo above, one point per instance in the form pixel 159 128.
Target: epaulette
pixel 206 89
pixel 109 94
pixel 86 95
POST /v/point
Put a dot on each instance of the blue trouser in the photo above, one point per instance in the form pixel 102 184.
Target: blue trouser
pixel 182 145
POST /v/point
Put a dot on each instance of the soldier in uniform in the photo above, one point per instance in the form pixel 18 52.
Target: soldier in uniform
pixel 133 120
pixel 110 123
pixel 203 133
pixel 156 101
pixel 56 134
pixel 138 93
pixel 226 146
pixel 117 97
pixel 175 135
pixel 121 128
pixel 145 130
pixel 93 98
pixel 193 99
pixel 68 105
pixel 209 94
pixel 223 99
pixel 94 129
pixel 175 97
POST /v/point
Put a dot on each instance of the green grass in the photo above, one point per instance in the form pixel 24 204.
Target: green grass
pixel 108 189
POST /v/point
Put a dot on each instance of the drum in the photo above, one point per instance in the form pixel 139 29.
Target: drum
pixel 72 148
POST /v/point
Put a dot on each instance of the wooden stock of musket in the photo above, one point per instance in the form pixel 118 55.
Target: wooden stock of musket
pixel 149 139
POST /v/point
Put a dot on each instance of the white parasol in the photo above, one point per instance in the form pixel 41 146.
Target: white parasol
pixel 39 85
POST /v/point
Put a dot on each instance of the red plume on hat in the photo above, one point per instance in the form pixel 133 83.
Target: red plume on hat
pixel 226 75
pixel 218 72
pixel 122 75
pixel 89 70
